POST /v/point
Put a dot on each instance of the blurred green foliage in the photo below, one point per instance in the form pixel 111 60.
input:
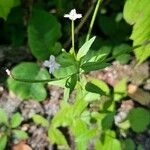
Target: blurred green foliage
pixel 9 128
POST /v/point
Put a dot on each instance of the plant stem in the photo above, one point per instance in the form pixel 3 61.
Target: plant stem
pixel 80 25
pixel 35 81
pixel 93 19
pixel 72 35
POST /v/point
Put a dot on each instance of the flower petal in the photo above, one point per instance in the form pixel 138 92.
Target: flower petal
pixel 79 16
pixel 66 15
pixel 73 15
pixel 46 63
pixel 57 66
pixel 51 70
pixel 51 64
pixel 52 58
pixel 73 12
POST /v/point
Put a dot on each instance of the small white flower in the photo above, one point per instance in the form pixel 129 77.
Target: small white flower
pixel 51 64
pixel 73 15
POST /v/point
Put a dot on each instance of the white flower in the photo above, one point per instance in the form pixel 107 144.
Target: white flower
pixel 73 15
pixel 51 64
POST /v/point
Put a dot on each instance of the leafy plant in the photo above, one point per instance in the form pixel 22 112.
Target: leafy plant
pixel 54 134
pixel 6 6
pixel 120 90
pixel 38 119
pixel 9 128
pixel 136 14
pixel 109 142
pixel 43 33
pixel 140 124
pixel 121 48
pixel 89 118
pixel 128 144
pixel 29 71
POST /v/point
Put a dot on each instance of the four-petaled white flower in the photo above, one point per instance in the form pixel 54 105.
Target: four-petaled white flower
pixel 73 15
pixel 51 64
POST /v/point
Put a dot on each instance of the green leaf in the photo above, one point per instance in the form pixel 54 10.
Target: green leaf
pixel 81 145
pixel 65 59
pixel 108 105
pixel 16 120
pixel 29 71
pixel 120 90
pixel 5 8
pixel 71 82
pixel 90 87
pixel 89 97
pixel 125 125
pixel 17 2
pixel 107 25
pixel 66 94
pixel 85 48
pixel 104 51
pixel 137 13
pixel 122 49
pixel 69 86
pixel 68 65
pixel 92 66
pixel 65 71
pixel 86 116
pixel 3 142
pixel 82 133
pixel 78 128
pixel 67 113
pixel 63 117
pixel 123 59
pixel 107 121
pixel 56 49
pixel 56 137
pixel 99 55
pixel 82 93
pixel 98 117
pixel 60 83
pixel 85 136
pixel 109 143
pixel 139 119
pixel 19 134
pixel 97 86
pixel 78 107
pixel 3 117
pixel 43 32
pixel 128 144
pixel 140 147
pixel 110 26
pixel 38 119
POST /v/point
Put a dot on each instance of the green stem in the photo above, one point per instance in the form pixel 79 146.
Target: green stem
pixel 93 19
pixel 34 81
pixel 80 25
pixel 72 34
